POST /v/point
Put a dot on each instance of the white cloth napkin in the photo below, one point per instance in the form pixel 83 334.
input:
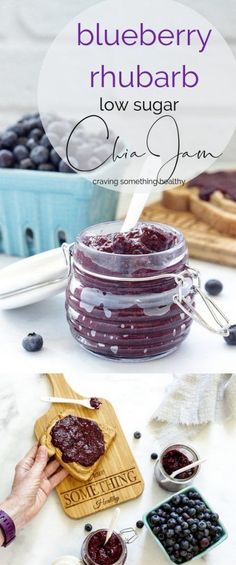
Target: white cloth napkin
pixel 191 402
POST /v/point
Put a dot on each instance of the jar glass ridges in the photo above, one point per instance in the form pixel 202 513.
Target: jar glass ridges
pixel 163 478
pixel 88 550
pixel 117 308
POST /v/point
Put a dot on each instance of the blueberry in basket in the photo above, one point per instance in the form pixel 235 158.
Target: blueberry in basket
pixel 183 534
pixel 25 145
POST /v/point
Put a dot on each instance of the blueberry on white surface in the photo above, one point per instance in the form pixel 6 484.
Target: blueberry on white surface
pixel 231 338
pixel 33 342
pixel 214 287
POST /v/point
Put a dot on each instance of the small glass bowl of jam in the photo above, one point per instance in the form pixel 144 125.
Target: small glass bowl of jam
pixel 176 457
pixel 120 295
pixel 95 552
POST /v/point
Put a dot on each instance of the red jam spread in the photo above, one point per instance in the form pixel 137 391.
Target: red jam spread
pixel 208 183
pixel 104 554
pixel 115 316
pixel 141 240
pixel 174 460
pixel 80 440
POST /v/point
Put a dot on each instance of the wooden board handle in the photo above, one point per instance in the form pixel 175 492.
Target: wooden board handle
pixel 60 386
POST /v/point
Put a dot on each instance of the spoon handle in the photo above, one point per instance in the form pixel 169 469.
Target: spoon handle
pixel 188 467
pixel 57 399
pixel 113 523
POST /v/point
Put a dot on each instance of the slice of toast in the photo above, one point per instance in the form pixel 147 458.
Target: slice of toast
pixel 177 198
pixel 219 212
pixel 219 200
pixel 216 217
pixel 76 470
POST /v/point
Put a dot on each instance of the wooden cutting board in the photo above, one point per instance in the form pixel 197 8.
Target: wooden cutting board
pixel 117 478
pixel 203 241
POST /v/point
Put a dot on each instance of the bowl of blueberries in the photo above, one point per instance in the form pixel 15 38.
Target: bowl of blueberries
pixel 185 527
pixel 43 201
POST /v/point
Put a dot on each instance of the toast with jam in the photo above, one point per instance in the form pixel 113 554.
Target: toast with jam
pixel 211 197
pixel 78 444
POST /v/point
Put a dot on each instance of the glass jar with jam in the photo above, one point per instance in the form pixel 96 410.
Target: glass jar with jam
pixel 173 458
pixel 96 552
pixel 130 296
pixel 120 299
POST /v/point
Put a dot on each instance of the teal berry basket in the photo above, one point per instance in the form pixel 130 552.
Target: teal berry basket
pixel 40 210
pixel 203 553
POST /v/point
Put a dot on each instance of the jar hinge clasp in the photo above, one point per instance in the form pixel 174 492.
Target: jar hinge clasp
pixel 222 322
pixel 129 535
pixel 68 254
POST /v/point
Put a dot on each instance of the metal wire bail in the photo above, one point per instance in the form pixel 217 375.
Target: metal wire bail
pixel 185 304
pixel 68 254
pixel 129 535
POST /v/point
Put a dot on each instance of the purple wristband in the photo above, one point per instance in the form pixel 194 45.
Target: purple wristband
pixel 8 528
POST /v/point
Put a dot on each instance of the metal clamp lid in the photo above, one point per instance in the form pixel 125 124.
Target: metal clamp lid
pixel 222 323
pixel 129 535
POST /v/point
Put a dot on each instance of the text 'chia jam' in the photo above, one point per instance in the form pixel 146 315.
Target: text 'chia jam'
pixel 80 440
pixel 111 312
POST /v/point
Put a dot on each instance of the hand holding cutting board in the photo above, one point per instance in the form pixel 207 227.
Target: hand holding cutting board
pixel 34 480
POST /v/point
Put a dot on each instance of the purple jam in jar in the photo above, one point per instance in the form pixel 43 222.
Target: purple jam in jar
pixel 141 240
pixel 173 458
pixel 116 306
pixel 96 552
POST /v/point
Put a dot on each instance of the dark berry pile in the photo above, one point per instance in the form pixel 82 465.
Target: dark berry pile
pixel 26 146
pixel 185 526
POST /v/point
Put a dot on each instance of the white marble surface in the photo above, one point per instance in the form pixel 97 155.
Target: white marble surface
pixel 202 351
pixel 52 533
